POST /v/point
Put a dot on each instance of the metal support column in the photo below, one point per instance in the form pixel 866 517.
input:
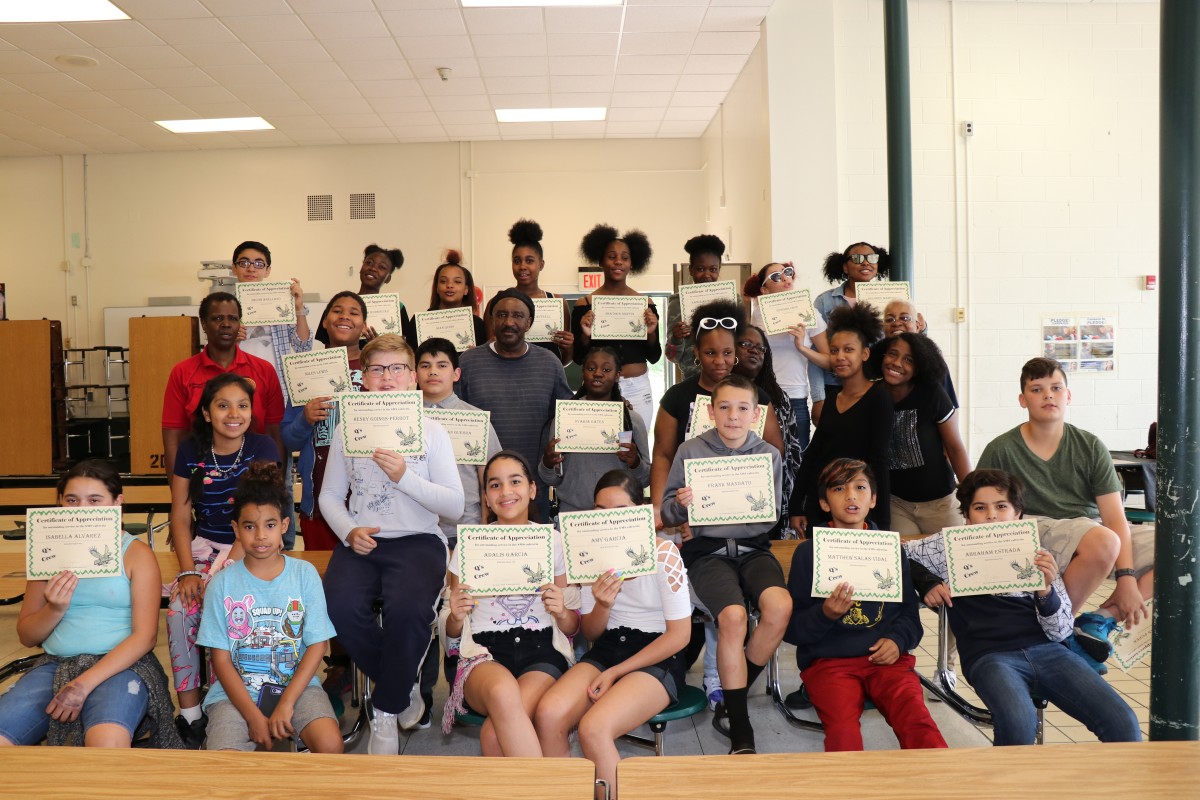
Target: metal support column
pixel 1174 681
pixel 899 140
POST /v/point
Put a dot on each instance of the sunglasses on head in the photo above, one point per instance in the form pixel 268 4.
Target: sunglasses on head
pixel 859 258
pixel 776 277
pixel 708 323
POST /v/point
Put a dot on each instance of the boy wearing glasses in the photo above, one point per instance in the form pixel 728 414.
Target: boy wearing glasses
pixel 394 547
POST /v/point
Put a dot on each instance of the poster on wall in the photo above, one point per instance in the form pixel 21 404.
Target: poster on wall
pixel 1083 344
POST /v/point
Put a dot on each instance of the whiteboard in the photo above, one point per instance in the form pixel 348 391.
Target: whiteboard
pixel 116 320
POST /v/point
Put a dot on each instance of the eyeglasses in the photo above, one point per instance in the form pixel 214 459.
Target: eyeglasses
pixel 786 272
pixel 246 263
pixel 395 370
pixel 891 319
pixel 859 258
pixel 708 323
pixel 752 347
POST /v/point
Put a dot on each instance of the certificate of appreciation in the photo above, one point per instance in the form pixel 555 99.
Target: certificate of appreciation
pixel 317 373
pixel 694 295
pixel 993 558
pixel 455 324
pixel 548 319
pixel 267 303
pixel 880 293
pixel 387 420
pixel 701 422
pixel 619 317
pixel 608 538
pixel 782 310
pixel 867 560
pixel 505 559
pixel 731 490
pixel 86 541
pixel 468 432
pixel 383 312
pixel 588 426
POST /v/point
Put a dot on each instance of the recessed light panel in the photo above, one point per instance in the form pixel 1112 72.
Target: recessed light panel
pixel 550 114
pixel 59 11
pixel 215 125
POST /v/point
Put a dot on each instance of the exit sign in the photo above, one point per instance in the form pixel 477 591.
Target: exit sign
pixel 590 279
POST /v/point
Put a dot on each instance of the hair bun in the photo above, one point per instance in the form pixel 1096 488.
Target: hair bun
pixel 596 241
pixel 454 258
pixel 703 244
pixel 525 232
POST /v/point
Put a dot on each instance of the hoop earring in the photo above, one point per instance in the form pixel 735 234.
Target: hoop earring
pixel 696 362
pixel 736 361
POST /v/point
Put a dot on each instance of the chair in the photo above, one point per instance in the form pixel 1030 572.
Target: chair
pixel 691 702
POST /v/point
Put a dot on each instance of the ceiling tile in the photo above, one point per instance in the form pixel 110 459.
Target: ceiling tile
pixel 726 43
pixel 583 20
pixel 274 28
pixel 521 85
pixel 103 60
pixel 493 21
pixel 456 85
pixel 699 114
pixel 346 25
pixel 105 79
pixel 390 69
pixel 409 119
pixel 698 98
pixel 309 72
pixel 583 44
pixel 581 65
pixel 286 52
pixel 427 69
pixel 541 100
pixel 191 31
pixel 41 37
pixel 425 22
pixel 172 77
pixel 637 128
pixel 513 67
pixel 580 99
pixel 473 117
pixel 307 122
pixel 244 74
pixel 373 88
pixel 667 2
pixel 465 102
pixel 124 33
pixel 318 137
pixel 189 95
pixel 640 99
pixel 78 100
pixel 524 129
pixel 645 83
pixel 320 6
pixel 581 83
pixel 16 62
pixel 218 54
pixel 589 129
pixel 280 108
pixel 43 82
pixel 706 83
pixel 367 135
pixel 714 65
pixel 651 65
pixel 312 90
pixel 663 19
pixel 636 114
pixel 234 8
pixel 259 92
pixel 359 49
pixel 671 128
pixel 476 132
pixel 399 105
pixel 164 9
pixel 370 120
pixel 137 58
pixel 654 44
pixel 436 47
pixel 513 44
pixel 333 106
pixel 734 18
pixel 262 138
pixel 424 133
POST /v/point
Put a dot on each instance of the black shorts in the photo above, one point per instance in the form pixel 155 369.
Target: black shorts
pixel 520 650
pixel 616 645
pixel 720 581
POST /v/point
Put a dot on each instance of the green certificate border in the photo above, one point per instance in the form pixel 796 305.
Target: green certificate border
pixel 31 541
pixel 288 317
pixel 570 553
pixel 895 595
pixel 888 290
pixel 1035 583
pixel 464 537
pixel 763 463
pixel 599 406
pixel 440 414
pixel 767 300
pixel 601 300
pixel 332 354
pixel 711 293
pixel 351 399
pixel 378 300
pixel 467 328
pixel 691 432
pixel 538 304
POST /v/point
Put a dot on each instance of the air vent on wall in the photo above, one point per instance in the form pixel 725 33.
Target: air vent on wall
pixel 320 208
pixel 362 206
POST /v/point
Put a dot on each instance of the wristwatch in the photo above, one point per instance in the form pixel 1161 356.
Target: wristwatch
pixel 1125 573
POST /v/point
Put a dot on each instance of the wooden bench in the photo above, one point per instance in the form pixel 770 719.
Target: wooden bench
pixel 50 773
pixel 1144 771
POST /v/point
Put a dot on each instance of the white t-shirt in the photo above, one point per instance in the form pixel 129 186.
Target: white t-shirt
pixel 791 367
pixel 647 602
pixel 506 611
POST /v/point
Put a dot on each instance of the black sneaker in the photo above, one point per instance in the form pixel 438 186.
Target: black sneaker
pixel 192 733
pixel 798 700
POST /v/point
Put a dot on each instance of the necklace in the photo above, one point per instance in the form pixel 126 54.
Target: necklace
pixel 221 473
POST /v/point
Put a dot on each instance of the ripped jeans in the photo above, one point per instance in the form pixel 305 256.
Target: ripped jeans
pixel 184 623
pixel 120 700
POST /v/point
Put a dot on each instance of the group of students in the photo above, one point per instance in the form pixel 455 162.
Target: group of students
pixel 885 453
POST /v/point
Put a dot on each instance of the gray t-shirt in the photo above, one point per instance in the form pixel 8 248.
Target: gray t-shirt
pixel 1067 485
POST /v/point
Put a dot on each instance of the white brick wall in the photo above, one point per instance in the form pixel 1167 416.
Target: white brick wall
pixel 1051 208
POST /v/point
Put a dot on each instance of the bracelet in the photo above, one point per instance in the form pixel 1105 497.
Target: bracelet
pixel 1124 573
pixel 188 572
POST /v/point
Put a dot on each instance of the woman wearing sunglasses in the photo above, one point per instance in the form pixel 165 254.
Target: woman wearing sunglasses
pixel 704 266
pixel 799 353
pixel 859 263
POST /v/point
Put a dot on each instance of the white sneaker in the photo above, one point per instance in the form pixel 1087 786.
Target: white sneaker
pixel 410 718
pixel 385 738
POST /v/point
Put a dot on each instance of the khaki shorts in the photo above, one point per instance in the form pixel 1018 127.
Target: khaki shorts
pixel 227 729
pixel 928 517
pixel 1062 537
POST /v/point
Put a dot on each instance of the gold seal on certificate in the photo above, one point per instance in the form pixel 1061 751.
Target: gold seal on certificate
pixel 381 420
pixel 588 426
pixel 1132 644
pixel 993 559
pixel 86 541
pixel 505 559
pixel 468 432
pixel 317 373
pixel 731 490
pixel 867 560
pixel 701 422
pixel 383 312
pixel 619 316
pixel 548 319
pixel 267 303
pixel 880 293
pixel 455 324
pixel 783 310
pixel 694 295
pixel 608 538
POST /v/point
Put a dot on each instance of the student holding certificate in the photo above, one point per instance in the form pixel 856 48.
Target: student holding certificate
pixel 453 287
pixel 528 261
pixel 619 256
pixel 309 428
pixel 385 508
pixel 732 562
pixel 704 266
pixel 638 626
pixel 1020 643
pixel 511 648
pixel 98 677
pixel 575 474
pixel 859 262
pixel 851 650
pixel 902 315
pixel 378 265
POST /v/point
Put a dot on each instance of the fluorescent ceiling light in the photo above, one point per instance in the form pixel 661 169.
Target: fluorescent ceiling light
pixel 59 11
pixel 514 3
pixel 550 114
pixel 216 125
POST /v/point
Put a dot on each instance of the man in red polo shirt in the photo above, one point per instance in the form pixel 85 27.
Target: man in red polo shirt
pixel 220 316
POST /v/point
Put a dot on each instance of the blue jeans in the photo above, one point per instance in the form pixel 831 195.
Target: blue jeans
pixel 120 700
pixel 800 412
pixel 1004 681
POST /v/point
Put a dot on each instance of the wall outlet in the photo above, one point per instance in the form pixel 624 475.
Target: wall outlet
pixel 960 314
pixel 968 129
